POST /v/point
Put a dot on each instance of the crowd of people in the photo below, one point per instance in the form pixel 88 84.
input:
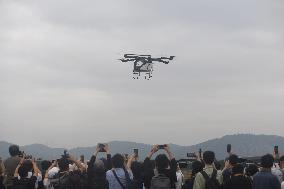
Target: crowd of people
pixel 118 172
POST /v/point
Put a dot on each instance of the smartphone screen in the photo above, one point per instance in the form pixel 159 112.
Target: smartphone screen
pixel 229 148
pixel 135 152
pixel 276 149
pixel 101 146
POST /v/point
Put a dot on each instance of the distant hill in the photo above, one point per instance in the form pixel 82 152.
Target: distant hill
pixel 242 144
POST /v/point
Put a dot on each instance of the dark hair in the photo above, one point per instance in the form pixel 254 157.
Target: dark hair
pixel 233 159
pixel 23 171
pixel 45 164
pixel 208 157
pixel 63 164
pixel 137 169
pixel 251 170
pixel 162 162
pixel 281 158
pixel 28 164
pixel 217 165
pixel 267 161
pixel 117 161
pixel 197 167
pixel 14 150
pixel 238 169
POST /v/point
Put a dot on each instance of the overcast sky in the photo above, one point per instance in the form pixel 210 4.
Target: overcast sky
pixel 61 84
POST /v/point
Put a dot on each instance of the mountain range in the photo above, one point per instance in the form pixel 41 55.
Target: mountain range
pixel 245 145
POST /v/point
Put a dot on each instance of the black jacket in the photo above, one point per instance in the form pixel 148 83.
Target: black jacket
pixel 97 177
pixel 149 172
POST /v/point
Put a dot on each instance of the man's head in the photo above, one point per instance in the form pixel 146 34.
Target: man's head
pixel 45 164
pixel 281 159
pixel 233 160
pixel 197 166
pixel 238 169
pixel 251 170
pixel 14 150
pixel 208 157
pixel 117 161
pixel 267 161
pixel 63 164
pixel 99 166
pixel 162 162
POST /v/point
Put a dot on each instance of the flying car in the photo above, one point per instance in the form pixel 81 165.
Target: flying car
pixel 144 63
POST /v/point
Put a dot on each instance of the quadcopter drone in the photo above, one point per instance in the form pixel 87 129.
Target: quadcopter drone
pixel 144 64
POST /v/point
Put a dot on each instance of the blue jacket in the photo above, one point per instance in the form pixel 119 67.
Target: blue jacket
pixel 265 180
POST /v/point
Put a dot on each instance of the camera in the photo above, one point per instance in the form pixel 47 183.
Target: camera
pixel 101 147
pixel 162 146
pixel 21 154
pixel 66 156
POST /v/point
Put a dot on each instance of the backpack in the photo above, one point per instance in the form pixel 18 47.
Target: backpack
pixel 160 181
pixel 71 180
pixel 61 182
pixel 211 182
pixel 135 184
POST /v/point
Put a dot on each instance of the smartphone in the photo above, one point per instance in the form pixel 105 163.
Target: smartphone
pixel 135 152
pixel 126 156
pixel 229 148
pixel 200 152
pixel 276 150
pixel 101 146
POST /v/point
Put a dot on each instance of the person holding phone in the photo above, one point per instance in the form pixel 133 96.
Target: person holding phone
pixel 166 167
pixel 97 168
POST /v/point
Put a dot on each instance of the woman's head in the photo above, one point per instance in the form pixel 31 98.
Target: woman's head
pixel 23 171
pixel 197 167
pixel 162 162
pixel 137 169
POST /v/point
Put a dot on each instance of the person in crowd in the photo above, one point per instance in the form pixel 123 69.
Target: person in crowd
pixel 180 178
pixel 208 173
pixel 29 164
pixel 10 165
pixel 197 166
pixel 275 170
pixel 229 164
pixel 97 170
pixel 2 169
pixel 238 180
pixel 265 179
pixel 251 170
pixel 45 164
pixel 22 179
pixel 120 175
pixel 281 165
pixel 82 160
pixel 165 168
pixel 66 179
pixel 138 174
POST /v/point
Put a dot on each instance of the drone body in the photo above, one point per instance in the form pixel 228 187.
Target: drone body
pixel 144 63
